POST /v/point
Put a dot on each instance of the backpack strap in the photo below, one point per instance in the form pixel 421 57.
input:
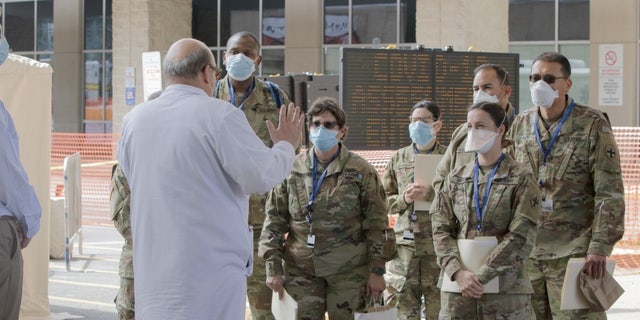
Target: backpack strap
pixel 275 93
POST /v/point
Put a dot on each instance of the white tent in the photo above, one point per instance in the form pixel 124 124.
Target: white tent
pixel 25 90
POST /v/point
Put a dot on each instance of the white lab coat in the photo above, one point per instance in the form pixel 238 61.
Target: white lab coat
pixel 191 162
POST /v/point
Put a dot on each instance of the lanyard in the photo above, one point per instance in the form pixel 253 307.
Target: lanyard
pixel 545 153
pixel 233 95
pixel 512 116
pixel 316 184
pixel 481 208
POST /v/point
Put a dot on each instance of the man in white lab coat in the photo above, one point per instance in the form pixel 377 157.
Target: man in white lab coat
pixel 191 162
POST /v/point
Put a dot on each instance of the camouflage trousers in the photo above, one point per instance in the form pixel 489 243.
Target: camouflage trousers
pixel 547 278
pixel 258 294
pixel 489 306
pixel 409 278
pixel 340 295
pixel 125 300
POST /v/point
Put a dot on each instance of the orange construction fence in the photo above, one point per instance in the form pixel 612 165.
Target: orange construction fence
pixel 98 156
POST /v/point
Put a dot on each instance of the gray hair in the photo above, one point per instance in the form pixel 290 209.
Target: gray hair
pixel 189 67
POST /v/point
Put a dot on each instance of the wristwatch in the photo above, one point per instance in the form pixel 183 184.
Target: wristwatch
pixel 379 271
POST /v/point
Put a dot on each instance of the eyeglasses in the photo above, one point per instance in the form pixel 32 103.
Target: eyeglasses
pixel 425 119
pixel 548 78
pixel 326 124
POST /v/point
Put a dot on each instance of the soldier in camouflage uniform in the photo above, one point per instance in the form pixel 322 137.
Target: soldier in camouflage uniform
pixel 256 99
pixel 121 216
pixel 572 152
pixel 413 274
pixel 492 196
pixel 333 208
pixel 490 83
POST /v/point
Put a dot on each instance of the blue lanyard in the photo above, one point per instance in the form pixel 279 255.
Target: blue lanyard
pixel 232 94
pixel 316 184
pixel 481 208
pixel 545 153
pixel 512 116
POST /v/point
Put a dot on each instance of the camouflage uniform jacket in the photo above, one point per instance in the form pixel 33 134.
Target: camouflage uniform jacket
pixel 455 156
pixel 258 107
pixel 121 216
pixel 512 210
pixel 397 175
pixel 348 219
pixel 582 177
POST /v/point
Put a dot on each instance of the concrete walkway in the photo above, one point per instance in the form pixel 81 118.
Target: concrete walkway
pixel 87 291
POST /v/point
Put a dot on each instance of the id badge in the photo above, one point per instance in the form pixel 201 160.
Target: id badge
pixel 311 241
pixel 408 235
pixel 547 204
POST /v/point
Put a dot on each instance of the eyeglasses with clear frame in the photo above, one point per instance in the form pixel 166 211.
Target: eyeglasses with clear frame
pixel 425 119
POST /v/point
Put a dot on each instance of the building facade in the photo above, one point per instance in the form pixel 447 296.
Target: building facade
pixel 96 46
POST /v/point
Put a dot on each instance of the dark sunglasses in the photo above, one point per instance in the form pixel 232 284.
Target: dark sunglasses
pixel 548 78
pixel 326 124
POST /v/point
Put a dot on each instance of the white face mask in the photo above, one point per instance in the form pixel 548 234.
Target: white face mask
pixel 482 96
pixel 480 141
pixel 542 94
pixel 240 67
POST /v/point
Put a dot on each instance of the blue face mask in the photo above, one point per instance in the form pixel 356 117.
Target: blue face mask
pixel 421 133
pixel 240 67
pixel 4 49
pixel 323 139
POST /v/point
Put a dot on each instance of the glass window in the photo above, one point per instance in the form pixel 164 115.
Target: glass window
pixel 93 109
pixel 578 55
pixel 273 23
pixel 94 127
pixel 93 23
pixel 19 19
pixel 239 16
pixel 108 88
pixel 374 21
pixel 532 20
pixel 44 33
pixel 108 25
pixel 331 60
pixel 272 62
pixel 407 21
pixel 336 22
pixel 573 20
pixel 204 24
pixel 527 54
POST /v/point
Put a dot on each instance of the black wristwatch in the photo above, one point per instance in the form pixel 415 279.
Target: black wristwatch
pixel 380 271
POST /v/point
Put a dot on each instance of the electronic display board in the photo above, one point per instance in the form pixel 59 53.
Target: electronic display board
pixel 378 87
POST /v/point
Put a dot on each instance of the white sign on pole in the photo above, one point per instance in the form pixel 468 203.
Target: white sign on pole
pixel 151 73
pixel 610 81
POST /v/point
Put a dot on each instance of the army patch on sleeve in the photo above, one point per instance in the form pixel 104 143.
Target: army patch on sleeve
pixel 611 151
pixel 534 201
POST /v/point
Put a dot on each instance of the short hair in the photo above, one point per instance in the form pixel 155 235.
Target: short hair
pixel 557 58
pixel 327 104
pixel 495 111
pixel 190 66
pixel 431 106
pixel 501 72
pixel 245 34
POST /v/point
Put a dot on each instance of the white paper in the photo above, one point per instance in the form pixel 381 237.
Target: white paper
pixel 572 297
pixel 473 254
pixel 423 172
pixel 285 308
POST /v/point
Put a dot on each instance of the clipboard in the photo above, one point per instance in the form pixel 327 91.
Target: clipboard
pixel 285 308
pixel 473 254
pixel 424 170
pixel 571 296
